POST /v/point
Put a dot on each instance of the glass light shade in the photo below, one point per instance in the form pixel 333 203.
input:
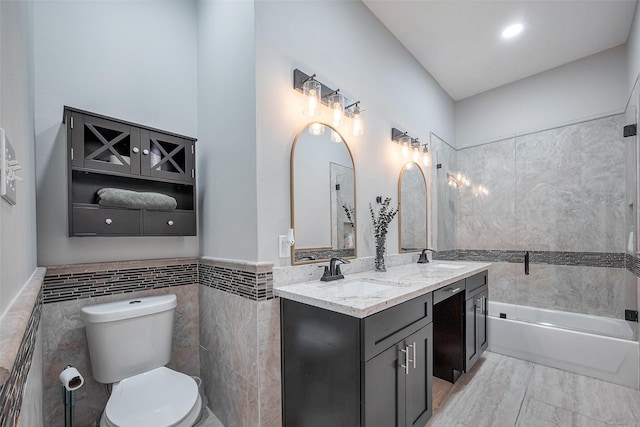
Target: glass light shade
pixel 426 156
pixel 405 143
pixel 316 129
pixel 335 136
pixel 336 104
pixel 312 91
pixel 358 123
pixel 416 153
pixel 409 166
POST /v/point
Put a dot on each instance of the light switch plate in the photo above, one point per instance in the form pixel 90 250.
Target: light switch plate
pixel 7 154
pixel 284 248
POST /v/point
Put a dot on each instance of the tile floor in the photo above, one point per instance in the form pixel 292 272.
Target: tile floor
pixel 503 391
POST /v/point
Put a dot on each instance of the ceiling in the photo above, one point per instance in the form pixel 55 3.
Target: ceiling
pixel 459 41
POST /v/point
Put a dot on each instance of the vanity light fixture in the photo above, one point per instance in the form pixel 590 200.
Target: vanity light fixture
pixel 313 90
pixel 336 104
pixel 355 113
pixel 426 156
pixel 411 146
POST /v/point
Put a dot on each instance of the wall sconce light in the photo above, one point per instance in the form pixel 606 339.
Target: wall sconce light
pixel 411 146
pixel 336 104
pixel 355 113
pixel 313 90
pixel 426 156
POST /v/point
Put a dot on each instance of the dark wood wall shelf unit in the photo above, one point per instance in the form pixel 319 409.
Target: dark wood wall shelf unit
pixel 105 152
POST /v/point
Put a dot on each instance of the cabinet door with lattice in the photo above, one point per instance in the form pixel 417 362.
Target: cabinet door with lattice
pixel 167 156
pixel 104 145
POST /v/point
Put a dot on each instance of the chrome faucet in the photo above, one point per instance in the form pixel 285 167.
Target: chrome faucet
pixel 423 256
pixel 332 271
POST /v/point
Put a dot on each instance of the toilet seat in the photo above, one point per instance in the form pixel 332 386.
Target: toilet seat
pixel 157 398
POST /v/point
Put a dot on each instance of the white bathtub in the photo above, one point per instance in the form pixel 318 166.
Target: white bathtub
pixel 595 346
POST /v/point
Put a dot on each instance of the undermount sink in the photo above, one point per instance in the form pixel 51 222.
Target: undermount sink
pixel 356 288
pixel 451 266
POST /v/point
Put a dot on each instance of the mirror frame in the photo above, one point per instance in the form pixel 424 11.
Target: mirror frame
pixel 292 192
pixel 426 207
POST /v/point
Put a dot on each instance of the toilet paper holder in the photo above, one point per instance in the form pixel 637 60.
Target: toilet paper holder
pixel 71 381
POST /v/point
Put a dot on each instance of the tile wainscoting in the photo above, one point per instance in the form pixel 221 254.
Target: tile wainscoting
pixel 18 348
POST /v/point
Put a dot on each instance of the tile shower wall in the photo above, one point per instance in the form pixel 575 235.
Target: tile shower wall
pixel 560 194
pixel 70 288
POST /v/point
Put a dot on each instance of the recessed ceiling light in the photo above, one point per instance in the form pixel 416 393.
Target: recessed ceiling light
pixel 512 31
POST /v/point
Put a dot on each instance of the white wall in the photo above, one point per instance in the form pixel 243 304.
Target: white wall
pixel 18 222
pixel 633 51
pixel 349 48
pixel 134 60
pixel 227 130
pixel 588 88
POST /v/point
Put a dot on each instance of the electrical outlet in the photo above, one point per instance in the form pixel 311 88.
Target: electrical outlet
pixel 284 248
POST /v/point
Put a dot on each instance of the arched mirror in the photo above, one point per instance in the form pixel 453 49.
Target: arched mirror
pixel 323 194
pixel 412 215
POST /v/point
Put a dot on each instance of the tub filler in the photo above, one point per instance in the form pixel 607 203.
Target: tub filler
pixel 594 346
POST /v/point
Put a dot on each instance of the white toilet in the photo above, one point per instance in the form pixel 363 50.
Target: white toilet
pixel 129 344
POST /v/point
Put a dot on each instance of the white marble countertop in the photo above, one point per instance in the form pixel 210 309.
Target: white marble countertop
pixel 403 282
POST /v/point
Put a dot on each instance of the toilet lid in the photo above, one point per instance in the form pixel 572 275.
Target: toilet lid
pixel 160 397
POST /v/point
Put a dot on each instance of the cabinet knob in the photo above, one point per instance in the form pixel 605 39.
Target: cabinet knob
pixel 108 221
pixel 136 150
pixel 170 222
pixel 145 151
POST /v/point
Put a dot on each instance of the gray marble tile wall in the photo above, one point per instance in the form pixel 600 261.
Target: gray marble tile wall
pixel 561 194
pixel 240 358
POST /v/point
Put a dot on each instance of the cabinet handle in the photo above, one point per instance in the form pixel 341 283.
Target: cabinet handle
pixel 108 221
pixel 406 360
pixel 136 150
pixel 170 222
pixel 145 151
pixel 484 305
pixel 453 291
pixel 414 355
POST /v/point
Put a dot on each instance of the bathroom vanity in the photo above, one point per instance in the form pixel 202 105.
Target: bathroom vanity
pixel 360 351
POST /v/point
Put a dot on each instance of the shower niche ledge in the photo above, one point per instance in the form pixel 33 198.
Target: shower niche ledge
pixel 108 153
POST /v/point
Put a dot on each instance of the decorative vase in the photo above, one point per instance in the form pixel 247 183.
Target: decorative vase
pixel 380 248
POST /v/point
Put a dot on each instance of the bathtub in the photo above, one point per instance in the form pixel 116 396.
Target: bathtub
pixel 595 346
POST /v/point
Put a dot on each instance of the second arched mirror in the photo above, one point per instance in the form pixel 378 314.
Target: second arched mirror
pixel 412 217
pixel 322 196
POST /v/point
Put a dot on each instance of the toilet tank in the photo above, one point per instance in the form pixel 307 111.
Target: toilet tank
pixel 129 337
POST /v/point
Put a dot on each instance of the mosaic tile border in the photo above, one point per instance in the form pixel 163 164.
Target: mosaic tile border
pixel 12 391
pixel 83 282
pixel 323 254
pixel 584 259
pixel 256 286
pixel 633 264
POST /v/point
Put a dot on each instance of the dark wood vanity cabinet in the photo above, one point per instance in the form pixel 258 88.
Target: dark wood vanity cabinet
pixel 106 152
pixel 476 318
pixel 340 370
pixel 460 326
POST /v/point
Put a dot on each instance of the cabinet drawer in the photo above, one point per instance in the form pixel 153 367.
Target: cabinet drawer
pixel 475 281
pixel 386 328
pixel 178 223
pixel 89 220
pixel 449 290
